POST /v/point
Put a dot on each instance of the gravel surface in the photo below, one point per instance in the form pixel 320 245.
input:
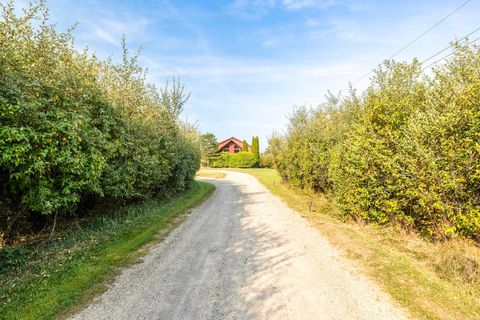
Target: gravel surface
pixel 242 254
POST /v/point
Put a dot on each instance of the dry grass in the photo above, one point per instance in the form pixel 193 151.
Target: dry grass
pixel 430 280
pixel 209 173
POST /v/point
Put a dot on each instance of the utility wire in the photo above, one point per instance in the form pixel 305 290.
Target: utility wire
pixel 417 38
pixel 449 46
pixel 430 29
pixel 444 57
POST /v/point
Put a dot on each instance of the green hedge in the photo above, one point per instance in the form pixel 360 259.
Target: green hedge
pixel 76 128
pixel 242 160
pixel 236 160
pixel 404 152
pixel 219 160
pixel 266 160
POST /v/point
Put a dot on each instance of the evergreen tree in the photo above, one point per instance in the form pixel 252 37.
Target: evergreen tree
pixel 255 150
pixel 245 146
pixel 208 147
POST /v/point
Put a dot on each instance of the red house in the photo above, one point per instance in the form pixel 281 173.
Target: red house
pixel 232 145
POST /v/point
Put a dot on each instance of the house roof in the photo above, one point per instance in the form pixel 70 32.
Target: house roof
pixel 238 142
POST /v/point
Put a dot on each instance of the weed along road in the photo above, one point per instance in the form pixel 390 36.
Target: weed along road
pixel 242 254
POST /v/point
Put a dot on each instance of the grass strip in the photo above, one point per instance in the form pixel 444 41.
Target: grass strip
pixel 56 278
pixel 208 173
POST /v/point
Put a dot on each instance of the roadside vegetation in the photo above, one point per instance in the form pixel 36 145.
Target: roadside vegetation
pixel 432 280
pixel 406 152
pixel 78 131
pixel 44 279
pixel 94 163
pixel 400 165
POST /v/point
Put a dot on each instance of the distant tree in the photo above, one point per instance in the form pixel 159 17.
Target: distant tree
pixel 208 147
pixel 256 150
pixel 245 146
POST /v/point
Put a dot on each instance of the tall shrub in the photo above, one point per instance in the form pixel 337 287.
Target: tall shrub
pixel 441 150
pixel 221 160
pixel 245 146
pixel 404 152
pixel 208 147
pixel 368 171
pixel 255 150
pixel 74 127
pixel 242 160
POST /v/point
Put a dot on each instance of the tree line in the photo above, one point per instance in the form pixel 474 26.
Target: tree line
pixel 406 151
pixel 76 129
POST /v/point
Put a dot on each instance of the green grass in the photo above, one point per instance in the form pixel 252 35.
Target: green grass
pixel 430 280
pixel 52 279
pixel 209 173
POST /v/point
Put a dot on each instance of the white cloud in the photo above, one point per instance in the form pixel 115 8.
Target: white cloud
pixel 102 34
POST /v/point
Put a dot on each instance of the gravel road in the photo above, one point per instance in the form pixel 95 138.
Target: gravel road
pixel 242 254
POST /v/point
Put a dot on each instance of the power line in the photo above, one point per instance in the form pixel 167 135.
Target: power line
pixel 449 46
pixel 417 38
pixel 444 57
pixel 430 29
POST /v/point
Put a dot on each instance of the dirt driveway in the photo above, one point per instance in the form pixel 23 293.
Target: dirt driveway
pixel 242 254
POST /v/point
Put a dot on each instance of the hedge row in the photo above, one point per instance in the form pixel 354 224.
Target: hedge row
pixel 406 151
pixel 75 128
pixel 237 160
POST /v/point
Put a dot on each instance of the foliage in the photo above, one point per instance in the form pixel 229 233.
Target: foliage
pixel 256 151
pixel 83 257
pixel 242 160
pixel 236 160
pixel 208 148
pixel 74 127
pixel 404 152
pixel 245 146
pixel 266 160
pixel 221 160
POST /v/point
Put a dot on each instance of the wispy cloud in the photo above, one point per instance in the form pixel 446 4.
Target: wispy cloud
pixel 260 8
pixel 109 29
pixel 254 59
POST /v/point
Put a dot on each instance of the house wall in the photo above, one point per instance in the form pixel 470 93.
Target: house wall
pixel 231 146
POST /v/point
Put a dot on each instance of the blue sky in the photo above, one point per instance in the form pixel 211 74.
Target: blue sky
pixel 248 62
